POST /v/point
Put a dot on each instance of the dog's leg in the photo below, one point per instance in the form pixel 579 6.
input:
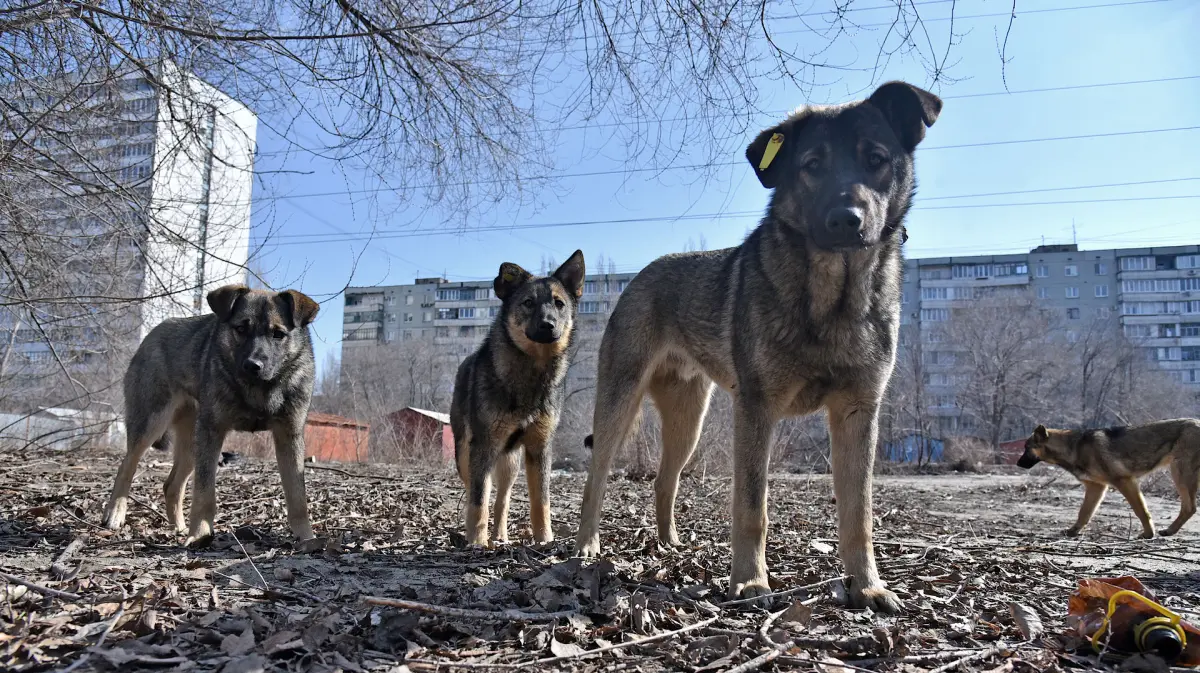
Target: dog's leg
pixel 479 490
pixel 184 430
pixel 537 475
pixel 289 454
pixel 753 429
pixel 506 473
pixel 141 432
pixel 209 438
pixel 1129 488
pixel 682 405
pixel 1187 482
pixel 619 390
pixel 853 430
pixel 1093 495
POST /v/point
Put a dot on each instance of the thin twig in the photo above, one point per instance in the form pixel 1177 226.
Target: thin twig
pixel 58 569
pixel 241 546
pixel 313 466
pixel 295 593
pixel 759 661
pixel 463 613
pixel 966 660
pixel 917 658
pixel 631 643
pixel 55 593
pixel 766 626
pixel 150 507
pixel 789 592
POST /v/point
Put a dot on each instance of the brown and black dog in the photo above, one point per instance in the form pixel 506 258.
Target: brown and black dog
pixel 509 394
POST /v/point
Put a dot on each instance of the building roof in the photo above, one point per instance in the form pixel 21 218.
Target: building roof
pixel 331 419
pixel 435 415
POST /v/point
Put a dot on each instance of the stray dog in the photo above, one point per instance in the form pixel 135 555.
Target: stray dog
pixel 1118 457
pixel 510 392
pixel 249 367
pixel 803 315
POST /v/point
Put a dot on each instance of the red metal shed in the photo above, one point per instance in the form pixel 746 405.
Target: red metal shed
pixel 1011 451
pixel 423 432
pixel 336 438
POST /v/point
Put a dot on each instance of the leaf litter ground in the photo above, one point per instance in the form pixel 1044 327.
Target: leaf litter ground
pixel 959 549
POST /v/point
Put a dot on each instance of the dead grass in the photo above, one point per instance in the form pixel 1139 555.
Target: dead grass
pixel 958 548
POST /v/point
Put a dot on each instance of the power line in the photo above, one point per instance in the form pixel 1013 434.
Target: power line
pixel 718 164
pixel 372 237
pixel 694 216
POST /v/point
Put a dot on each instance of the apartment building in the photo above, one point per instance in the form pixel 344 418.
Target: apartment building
pixel 1151 294
pixel 139 192
pixel 388 314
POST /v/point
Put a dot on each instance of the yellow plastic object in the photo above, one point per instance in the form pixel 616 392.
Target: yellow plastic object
pixel 772 149
pixel 1168 618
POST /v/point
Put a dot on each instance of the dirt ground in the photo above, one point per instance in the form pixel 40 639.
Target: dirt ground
pixel 957 548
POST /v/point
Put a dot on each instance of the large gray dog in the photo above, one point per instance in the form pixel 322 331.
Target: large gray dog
pixel 803 315
pixel 248 366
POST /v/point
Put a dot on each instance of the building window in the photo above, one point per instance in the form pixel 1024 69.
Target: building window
pixel 934 293
pixel 443 332
pixel 1103 312
pixel 1139 331
pixel 1151 285
pixel 1043 271
pixel 1072 293
pixel 1137 264
pixel 1070 270
pixel 589 306
pixel 1073 313
pixel 408 300
pixel 408 317
pixel 1043 293
pixel 492 311
pixel 1190 353
pixel 1101 269
pixel 1190 284
pixel 621 285
pixel 389 299
pixel 1101 290
pixel 391 335
pixel 589 287
pixel 466 313
pixel 427 316
pixel 936 273
pixel 1187 262
pixel 935 314
pixel 408 335
pixel 466 331
pixel 1072 336
pixel 1190 329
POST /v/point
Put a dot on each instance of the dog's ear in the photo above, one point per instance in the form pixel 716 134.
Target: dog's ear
pixel 763 155
pixel 1040 433
pixel 908 110
pixel 571 274
pixel 301 307
pixel 223 299
pixel 510 278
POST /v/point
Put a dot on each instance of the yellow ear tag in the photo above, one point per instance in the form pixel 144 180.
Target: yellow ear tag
pixel 509 276
pixel 773 146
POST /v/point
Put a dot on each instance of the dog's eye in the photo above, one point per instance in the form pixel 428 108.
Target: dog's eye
pixel 875 160
pixel 241 328
pixel 559 303
pixel 528 303
pixel 279 335
pixel 813 165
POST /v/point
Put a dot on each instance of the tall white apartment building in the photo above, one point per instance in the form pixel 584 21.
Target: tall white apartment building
pixel 141 191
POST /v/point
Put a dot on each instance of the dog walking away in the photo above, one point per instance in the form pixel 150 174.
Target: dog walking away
pixel 803 315
pixel 1118 457
pixel 248 366
pixel 509 394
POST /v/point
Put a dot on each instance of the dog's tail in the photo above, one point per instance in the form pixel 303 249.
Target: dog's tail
pixel 587 442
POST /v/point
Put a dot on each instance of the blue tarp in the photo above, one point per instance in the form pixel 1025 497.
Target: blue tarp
pixel 906 450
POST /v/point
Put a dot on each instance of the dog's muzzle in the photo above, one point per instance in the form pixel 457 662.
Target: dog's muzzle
pixel 1028 460
pixel 544 334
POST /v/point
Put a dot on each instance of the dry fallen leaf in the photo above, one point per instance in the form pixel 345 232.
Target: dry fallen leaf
pixel 1027 620
pixel 797 613
pixel 236 646
pixel 561 649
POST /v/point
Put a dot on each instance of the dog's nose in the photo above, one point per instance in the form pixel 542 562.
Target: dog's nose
pixel 844 220
pixel 251 365
pixel 546 326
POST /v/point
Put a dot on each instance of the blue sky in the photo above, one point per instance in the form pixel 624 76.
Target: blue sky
pixel 1048 50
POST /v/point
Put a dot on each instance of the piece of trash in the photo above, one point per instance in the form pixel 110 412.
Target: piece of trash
pixel 1121 614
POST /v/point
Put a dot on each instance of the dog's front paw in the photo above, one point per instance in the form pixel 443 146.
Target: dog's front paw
pixel 589 548
pixel 1147 535
pixel 754 590
pixel 114 517
pixel 200 537
pixel 1073 531
pixel 877 598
